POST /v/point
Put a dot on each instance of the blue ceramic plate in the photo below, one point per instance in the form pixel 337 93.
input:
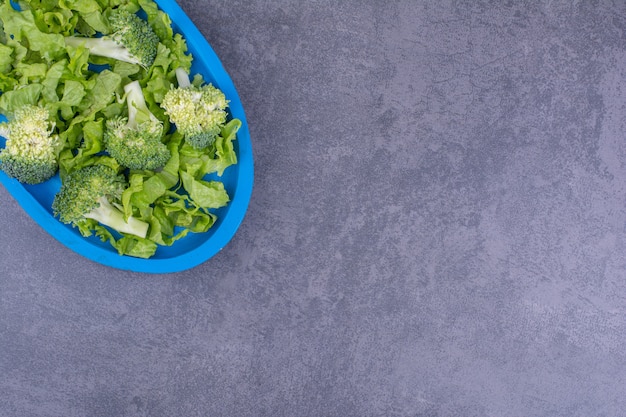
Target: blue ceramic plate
pixel 193 249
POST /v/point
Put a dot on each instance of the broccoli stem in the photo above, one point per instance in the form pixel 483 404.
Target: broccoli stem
pixel 135 101
pixel 111 216
pixel 104 47
pixel 137 107
pixel 182 77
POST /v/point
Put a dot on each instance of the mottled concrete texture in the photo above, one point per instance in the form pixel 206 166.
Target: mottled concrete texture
pixel 437 229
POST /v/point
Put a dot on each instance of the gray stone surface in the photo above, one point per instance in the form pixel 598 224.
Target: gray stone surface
pixel 436 229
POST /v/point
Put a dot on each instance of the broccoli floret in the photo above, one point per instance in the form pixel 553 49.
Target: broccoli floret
pixel 30 152
pixel 94 192
pixel 199 112
pixel 135 141
pixel 131 40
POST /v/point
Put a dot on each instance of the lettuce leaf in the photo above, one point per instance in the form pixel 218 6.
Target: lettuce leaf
pixel 20 97
pixel 208 194
pixel 21 27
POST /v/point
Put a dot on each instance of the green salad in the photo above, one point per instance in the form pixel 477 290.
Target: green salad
pixel 100 93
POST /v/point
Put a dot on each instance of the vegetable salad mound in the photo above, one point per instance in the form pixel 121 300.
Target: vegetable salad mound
pixel 100 93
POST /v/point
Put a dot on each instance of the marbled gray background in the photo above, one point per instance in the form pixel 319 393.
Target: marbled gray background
pixel 437 228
